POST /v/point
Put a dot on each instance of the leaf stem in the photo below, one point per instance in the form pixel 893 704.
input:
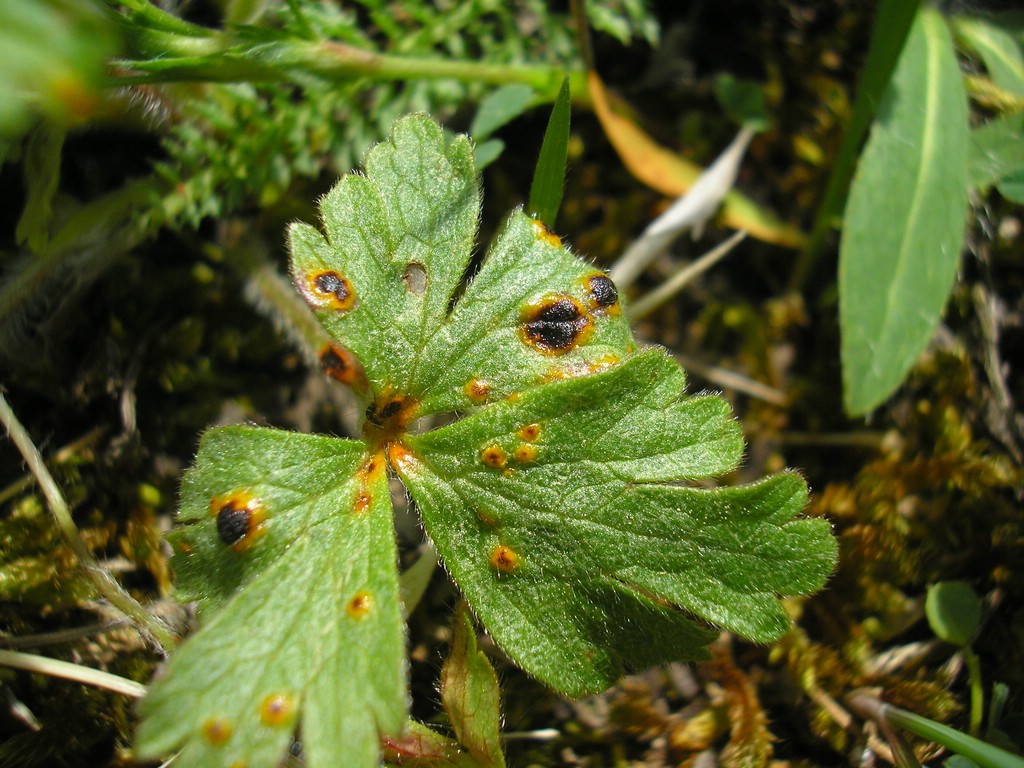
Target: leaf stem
pixel 977 690
pixel 151 627
pixel 334 61
pixel 984 754
pixel 68 671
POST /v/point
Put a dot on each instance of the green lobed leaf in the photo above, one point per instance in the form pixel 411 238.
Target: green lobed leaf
pixel 308 624
pixel 905 218
pixel 402 236
pixel 553 514
pixel 555 501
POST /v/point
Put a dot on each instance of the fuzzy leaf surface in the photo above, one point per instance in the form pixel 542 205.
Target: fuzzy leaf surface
pixel 561 500
pixel 554 514
pixel 307 624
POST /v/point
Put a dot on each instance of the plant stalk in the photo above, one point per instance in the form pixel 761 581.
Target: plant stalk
pixel 151 627
pixel 68 671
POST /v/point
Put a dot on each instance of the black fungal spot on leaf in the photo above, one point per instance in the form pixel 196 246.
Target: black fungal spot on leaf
pixel 233 523
pixel 603 292
pixel 341 365
pixel 556 324
pixel 388 416
pixel 240 519
pixel 333 290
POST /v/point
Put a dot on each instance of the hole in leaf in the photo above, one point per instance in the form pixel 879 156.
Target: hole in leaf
pixel 555 325
pixel 415 278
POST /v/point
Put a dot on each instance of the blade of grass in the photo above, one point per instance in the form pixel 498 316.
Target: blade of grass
pixel 647 304
pixel 549 176
pixel 68 671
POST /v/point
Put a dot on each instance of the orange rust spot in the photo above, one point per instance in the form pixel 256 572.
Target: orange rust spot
pixel 240 517
pixel 525 454
pixel 529 432
pixel 555 324
pixel 359 605
pixel 494 456
pixel 185 547
pixel 487 518
pixel 504 559
pixel 217 730
pixel 477 390
pixel 401 458
pixel 277 709
pixel 545 234
pixel 341 365
pixel 75 95
pixel 362 502
pixel 369 473
pixel 514 397
pixel 604 363
pixel 328 289
pixel 388 416
pixel 556 374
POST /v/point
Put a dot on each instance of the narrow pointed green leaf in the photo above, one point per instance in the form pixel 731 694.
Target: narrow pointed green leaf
pixel 893 21
pixel 471 697
pixel 309 632
pixel 553 514
pixel 549 175
pixel 904 222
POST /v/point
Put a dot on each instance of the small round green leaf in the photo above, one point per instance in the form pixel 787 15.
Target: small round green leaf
pixel 953 611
